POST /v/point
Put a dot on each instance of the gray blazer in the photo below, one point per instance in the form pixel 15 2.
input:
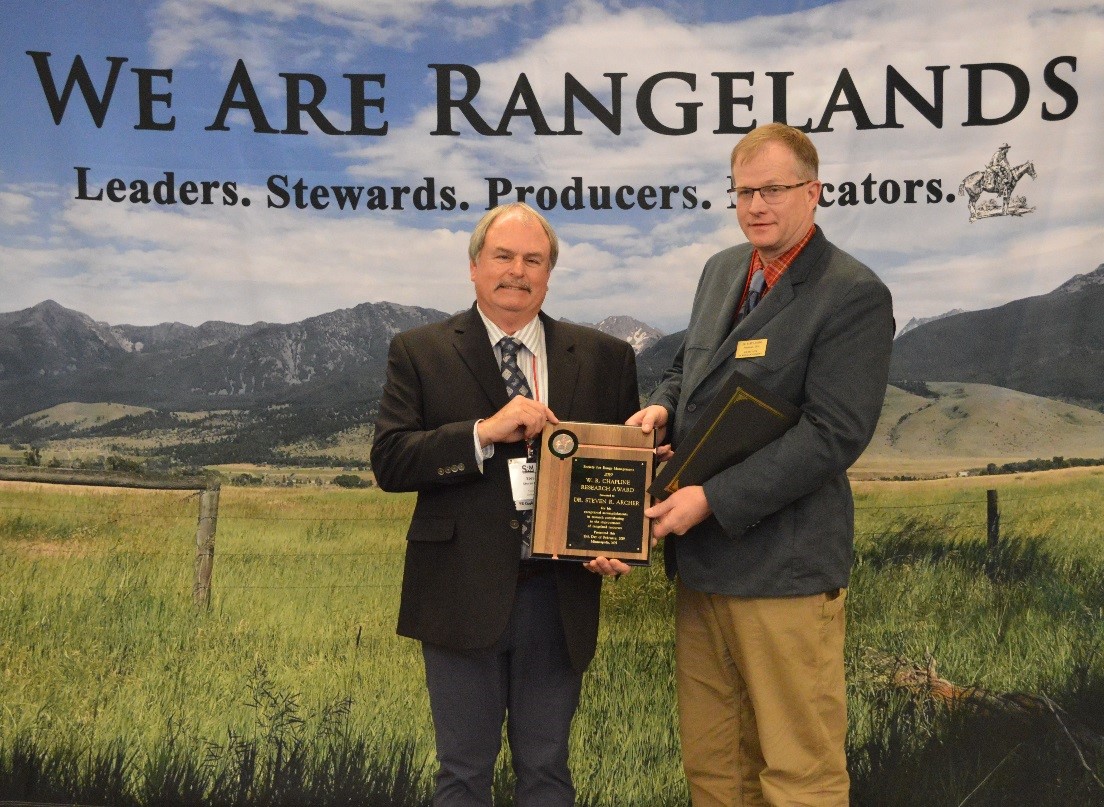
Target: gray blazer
pixel 783 519
pixel 464 542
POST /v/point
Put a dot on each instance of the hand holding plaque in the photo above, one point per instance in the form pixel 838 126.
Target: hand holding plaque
pixel 592 491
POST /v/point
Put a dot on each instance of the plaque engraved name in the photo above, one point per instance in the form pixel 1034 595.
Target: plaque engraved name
pixel 606 509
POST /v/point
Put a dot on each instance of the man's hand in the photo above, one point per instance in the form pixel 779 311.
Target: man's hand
pixel 649 418
pixel 520 419
pixel 608 567
pixel 680 511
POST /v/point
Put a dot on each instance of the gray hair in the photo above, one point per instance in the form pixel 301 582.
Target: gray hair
pixel 479 234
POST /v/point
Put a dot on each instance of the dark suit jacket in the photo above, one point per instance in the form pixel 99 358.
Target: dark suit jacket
pixel 464 541
pixel 783 522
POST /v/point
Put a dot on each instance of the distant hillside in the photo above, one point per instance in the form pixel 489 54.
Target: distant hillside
pixel 638 334
pixel 175 336
pixel 78 416
pixel 1080 282
pixel 964 426
pixel 951 427
pixel 51 355
pixel 653 362
pixel 1051 345
pixel 50 340
pixel 915 322
pixel 262 387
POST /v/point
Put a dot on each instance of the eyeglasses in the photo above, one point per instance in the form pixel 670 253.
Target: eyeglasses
pixel 772 194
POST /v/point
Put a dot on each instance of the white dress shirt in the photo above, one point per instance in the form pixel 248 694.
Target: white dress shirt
pixel 533 361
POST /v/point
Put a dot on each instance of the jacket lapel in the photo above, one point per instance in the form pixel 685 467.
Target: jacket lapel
pixel 563 367
pixel 726 311
pixel 471 341
pixel 781 295
pixel 722 333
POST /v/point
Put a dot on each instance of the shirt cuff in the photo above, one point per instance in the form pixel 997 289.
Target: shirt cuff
pixel 481 452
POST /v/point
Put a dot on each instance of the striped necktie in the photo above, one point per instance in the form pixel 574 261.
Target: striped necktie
pixel 517 385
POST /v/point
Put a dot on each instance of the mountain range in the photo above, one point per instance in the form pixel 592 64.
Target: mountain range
pixel 50 354
pixel 1051 345
pixel 326 372
pixel 916 322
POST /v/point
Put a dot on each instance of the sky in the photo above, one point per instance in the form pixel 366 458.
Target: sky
pixel 1040 92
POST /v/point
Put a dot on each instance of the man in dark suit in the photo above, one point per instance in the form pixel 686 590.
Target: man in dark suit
pixel 763 550
pixel 504 637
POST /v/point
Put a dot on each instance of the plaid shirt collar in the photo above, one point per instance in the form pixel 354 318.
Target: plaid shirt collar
pixel 776 268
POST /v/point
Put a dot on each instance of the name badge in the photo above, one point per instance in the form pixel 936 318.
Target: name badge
pixel 523 482
pixel 751 348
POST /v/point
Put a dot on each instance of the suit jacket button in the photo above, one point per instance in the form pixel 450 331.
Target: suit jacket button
pixel 440 472
pixel 691 407
pixel 460 467
pixel 515 524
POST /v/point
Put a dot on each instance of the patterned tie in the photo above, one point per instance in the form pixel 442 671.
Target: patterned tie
pixel 755 291
pixel 517 385
pixel 511 372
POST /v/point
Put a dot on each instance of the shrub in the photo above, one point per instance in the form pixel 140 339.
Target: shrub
pixel 350 481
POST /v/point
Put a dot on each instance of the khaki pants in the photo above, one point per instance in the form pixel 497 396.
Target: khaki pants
pixel 762 705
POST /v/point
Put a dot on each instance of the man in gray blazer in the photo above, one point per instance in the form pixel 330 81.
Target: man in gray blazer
pixel 763 550
pixel 503 638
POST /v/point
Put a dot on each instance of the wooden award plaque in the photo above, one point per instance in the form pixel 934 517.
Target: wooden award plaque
pixel 592 489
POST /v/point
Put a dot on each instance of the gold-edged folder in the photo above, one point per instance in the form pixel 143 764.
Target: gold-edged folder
pixel 740 420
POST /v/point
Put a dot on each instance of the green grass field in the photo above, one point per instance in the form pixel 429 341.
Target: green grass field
pixel 293 688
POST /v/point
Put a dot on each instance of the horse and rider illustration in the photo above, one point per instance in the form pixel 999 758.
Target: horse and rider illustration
pixel 999 178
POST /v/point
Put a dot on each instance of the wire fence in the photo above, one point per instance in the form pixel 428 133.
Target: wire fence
pixel 959 518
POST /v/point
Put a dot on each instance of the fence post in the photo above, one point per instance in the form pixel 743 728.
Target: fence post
pixel 993 520
pixel 992 530
pixel 205 545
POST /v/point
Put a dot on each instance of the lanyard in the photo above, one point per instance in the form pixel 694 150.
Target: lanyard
pixel 534 378
pixel 534 386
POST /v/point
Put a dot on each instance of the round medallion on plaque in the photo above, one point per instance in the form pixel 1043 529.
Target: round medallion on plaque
pixel 563 443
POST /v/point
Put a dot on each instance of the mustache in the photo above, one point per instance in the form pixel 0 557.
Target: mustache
pixel 519 285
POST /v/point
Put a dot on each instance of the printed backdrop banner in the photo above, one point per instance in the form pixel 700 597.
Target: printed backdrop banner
pixel 195 160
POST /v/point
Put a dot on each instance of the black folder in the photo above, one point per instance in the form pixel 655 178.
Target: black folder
pixel 741 419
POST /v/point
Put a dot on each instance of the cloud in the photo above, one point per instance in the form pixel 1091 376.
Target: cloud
pixel 145 265
pixel 316 30
pixel 123 263
pixel 811 52
pixel 15 208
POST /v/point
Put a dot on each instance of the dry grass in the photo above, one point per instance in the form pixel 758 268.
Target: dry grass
pixel 972 425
